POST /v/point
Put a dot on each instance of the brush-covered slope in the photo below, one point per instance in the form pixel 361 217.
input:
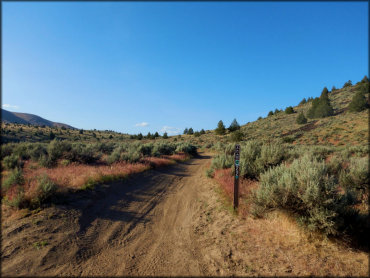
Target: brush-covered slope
pixel 25 118
pixel 343 128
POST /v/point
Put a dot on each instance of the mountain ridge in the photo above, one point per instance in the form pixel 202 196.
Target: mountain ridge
pixel 27 118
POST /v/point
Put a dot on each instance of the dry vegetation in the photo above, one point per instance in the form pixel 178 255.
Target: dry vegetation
pixel 35 174
pixel 316 173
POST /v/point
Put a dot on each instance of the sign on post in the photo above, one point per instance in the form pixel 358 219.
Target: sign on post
pixel 236 177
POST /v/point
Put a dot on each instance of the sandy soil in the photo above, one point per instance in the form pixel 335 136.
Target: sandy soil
pixel 171 222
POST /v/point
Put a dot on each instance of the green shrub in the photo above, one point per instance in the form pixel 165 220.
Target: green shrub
pixel 335 166
pixel 358 103
pixel 271 155
pixel 234 126
pixel 306 189
pixel 82 153
pixel 220 130
pixel 289 110
pixel 11 162
pixel 356 175
pixel 236 136
pixel 106 148
pixel 45 190
pixel 303 101
pixel 6 149
pixel 270 114
pixel 210 173
pixel 56 149
pixel 132 156
pixel 321 107
pixel 146 149
pixel 288 139
pixel 186 148
pixel 14 178
pixel 347 84
pixel 249 154
pixel 301 119
pixel 36 151
pixel 18 201
pixel 222 161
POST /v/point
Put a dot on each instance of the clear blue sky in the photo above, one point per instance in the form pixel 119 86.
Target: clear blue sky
pixel 151 66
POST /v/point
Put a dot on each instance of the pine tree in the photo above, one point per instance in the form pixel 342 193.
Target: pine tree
pixel 365 79
pixel 321 106
pixel 289 110
pixel 220 130
pixel 270 114
pixel 347 84
pixel 165 136
pixel 324 108
pixel 186 131
pixel 358 103
pixel 202 131
pixel 301 119
pixel 234 126
pixel 156 134
pixel 303 101
pixel 139 136
pixel 190 131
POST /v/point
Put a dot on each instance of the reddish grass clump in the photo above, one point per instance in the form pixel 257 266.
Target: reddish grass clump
pixel 226 180
pixel 157 161
pixel 177 156
pixel 76 175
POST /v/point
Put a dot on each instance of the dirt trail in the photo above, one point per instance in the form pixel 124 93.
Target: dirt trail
pixel 142 226
pixel 168 222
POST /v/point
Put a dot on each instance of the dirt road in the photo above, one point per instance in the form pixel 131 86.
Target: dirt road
pixel 142 226
pixel 168 221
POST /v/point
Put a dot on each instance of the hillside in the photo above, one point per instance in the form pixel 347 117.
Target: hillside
pixel 343 128
pixel 25 118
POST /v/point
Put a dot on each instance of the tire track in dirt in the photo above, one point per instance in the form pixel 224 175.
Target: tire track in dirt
pixel 141 226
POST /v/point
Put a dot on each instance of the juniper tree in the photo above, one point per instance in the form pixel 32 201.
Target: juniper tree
pixel 289 110
pixel 358 103
pixel 234 126
pixel 347 84
pixel 303 101
pixel 220 130
pixel 301 119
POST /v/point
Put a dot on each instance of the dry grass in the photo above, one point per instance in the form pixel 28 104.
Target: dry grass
pixel 280 244
pixel 225 179
pixel 75 176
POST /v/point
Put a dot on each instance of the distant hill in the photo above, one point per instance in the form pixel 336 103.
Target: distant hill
pixel 25 118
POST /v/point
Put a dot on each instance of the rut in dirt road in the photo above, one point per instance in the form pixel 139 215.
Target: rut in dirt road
pixel 142 226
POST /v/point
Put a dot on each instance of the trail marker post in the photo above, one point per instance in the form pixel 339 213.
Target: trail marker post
pixel 236 177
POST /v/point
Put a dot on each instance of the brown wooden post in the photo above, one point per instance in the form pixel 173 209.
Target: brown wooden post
pixel 236 177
